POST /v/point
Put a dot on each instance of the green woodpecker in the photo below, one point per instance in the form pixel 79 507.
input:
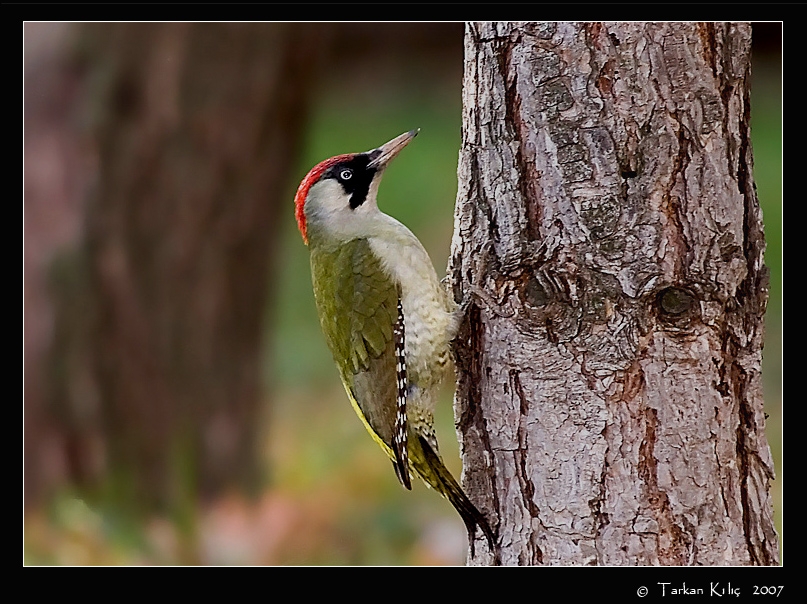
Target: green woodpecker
pixel 385 315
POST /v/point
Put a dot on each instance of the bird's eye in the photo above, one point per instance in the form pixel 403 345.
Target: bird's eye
pixel 346 174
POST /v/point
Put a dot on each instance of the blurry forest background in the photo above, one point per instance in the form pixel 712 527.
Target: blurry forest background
pixel 180 405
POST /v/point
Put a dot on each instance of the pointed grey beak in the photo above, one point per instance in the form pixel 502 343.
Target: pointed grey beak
pixel 389 150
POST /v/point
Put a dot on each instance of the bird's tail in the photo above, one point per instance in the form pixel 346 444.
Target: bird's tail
pixel 431 469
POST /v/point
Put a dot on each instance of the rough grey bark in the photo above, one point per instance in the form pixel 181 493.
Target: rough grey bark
pixel 608 234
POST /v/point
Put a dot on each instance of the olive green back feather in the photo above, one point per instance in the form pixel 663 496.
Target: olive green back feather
pixel 357 304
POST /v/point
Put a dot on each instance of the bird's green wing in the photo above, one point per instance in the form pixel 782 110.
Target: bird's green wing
pixel 358 309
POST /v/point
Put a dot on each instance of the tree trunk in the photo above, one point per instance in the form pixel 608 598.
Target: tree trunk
pixel 156 361
pixel 609 238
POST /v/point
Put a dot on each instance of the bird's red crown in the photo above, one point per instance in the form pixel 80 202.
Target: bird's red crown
pixel 302 191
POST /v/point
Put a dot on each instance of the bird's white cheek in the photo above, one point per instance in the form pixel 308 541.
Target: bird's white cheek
pixel 328 211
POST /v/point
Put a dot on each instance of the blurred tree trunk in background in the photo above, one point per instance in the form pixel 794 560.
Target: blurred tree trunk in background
pixel 609 401
pixel 156 374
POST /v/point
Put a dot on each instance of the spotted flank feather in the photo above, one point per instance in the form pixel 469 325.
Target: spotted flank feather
pixel 399 434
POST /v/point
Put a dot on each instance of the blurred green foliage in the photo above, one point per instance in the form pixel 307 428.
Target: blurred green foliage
pixel 766 136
